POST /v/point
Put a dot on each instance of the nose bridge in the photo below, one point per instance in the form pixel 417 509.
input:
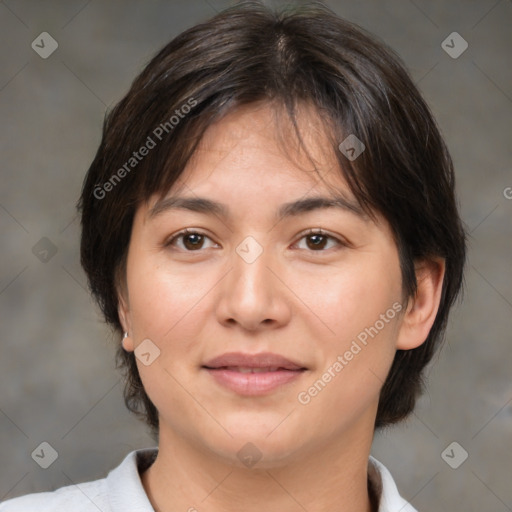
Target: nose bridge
pixel 251 294
pixel 250 272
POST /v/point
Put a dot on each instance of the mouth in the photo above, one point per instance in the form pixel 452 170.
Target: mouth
pixel 253 374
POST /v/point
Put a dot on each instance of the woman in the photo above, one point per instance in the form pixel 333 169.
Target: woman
pixel 270 226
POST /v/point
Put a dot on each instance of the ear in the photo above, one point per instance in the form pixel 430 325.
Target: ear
pixel 422 308
pixel 125 319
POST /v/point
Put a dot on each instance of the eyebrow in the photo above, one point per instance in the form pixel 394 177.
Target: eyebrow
pixel 291 209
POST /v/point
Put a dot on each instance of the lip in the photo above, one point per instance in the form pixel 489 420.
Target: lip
pixel 261 360
pixel 224 371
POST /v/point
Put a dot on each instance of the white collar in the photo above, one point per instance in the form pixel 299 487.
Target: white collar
pixel 385 487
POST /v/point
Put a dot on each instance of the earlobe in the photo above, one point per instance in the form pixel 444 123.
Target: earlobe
pixel 422 309
pixel 124 318
pixel 127 343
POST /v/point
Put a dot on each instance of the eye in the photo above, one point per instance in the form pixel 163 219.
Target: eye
pixel 317 240
pixel 190 240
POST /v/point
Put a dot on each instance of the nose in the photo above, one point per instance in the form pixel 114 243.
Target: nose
pixel 252 295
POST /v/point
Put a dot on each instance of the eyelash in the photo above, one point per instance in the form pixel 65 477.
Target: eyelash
pixel 309 232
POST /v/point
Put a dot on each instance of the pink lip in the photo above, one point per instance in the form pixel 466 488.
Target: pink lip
pixel 223 370
pixel 261 360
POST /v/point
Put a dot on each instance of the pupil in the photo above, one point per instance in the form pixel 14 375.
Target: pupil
pixel 193 241
pixel 317 240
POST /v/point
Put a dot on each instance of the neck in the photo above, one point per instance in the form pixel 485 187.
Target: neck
pixel 186 478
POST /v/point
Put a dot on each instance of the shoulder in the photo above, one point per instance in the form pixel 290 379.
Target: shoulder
pixel 84 497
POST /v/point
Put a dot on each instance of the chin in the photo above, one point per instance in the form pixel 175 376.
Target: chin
pixel 258 444
pixel 263 425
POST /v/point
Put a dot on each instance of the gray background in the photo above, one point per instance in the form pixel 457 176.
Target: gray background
pixel 57 378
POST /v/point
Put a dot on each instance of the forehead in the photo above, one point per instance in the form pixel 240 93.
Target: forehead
pixel 258 143
pixel 266 131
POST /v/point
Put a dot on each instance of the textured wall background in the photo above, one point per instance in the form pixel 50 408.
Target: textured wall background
pixel 57 378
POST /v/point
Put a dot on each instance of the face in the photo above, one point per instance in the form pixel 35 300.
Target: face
pixel 276 314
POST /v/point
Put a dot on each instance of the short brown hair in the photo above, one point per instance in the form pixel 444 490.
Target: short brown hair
pixel 306 54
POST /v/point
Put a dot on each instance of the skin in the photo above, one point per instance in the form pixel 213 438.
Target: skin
pixel 296 300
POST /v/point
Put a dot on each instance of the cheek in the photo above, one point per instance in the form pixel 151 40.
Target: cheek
pixel 162 302
pixel 351 374
pixel 166 308
pixel 346 299
pixel 357 349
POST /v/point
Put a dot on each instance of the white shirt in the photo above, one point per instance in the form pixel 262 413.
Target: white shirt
pixel 122 491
